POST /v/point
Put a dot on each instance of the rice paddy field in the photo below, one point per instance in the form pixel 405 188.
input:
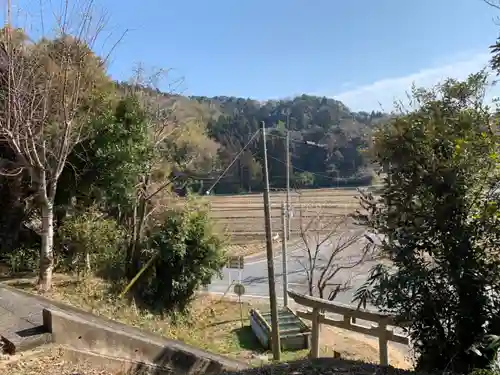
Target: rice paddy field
pixel 241 217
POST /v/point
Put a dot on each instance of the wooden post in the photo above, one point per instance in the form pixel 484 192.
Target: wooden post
pixel 284 255
pixel 317 316
pixel 275 334
pixel 287 157
pixel 315 333
pixel 382 344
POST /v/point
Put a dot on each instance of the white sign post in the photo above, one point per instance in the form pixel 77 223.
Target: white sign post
pixel 235 263
pixel 239 290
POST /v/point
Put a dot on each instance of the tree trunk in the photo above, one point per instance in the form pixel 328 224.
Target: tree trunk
pixel 47 250
pixel 321 292
pixel 134 264
pixel 138 226
pixel 310 287
pixel 87 262
pixel 130 246
pixel 138 238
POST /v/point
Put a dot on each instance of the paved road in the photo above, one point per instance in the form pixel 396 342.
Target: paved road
pixel 254 275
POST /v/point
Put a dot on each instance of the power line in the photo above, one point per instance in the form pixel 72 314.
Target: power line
pixel 303 142
pixel 303 170
pixel 253 154
pixel 232 162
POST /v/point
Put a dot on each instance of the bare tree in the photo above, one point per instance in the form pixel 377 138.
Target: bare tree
pixel 331 248
pixel 48 93
pixel 172 143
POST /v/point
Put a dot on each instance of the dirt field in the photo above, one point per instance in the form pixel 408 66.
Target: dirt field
pixel 241 217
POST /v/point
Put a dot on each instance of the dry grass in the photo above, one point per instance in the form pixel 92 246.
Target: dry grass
pixel 251 247
pixel 46 361
pixel 254 247
pixel 213 324
pixel 241 217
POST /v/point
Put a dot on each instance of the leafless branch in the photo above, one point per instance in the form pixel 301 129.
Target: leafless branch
pixel 331 248
pixel 48 98
pixel 494 4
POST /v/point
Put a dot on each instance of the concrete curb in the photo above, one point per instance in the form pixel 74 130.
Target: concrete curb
pixel 87 332
pixel 112 363
pixel 276 249
pixel 255 257
pixel 94 337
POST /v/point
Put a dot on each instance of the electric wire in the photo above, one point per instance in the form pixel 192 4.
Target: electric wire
pixel 232 162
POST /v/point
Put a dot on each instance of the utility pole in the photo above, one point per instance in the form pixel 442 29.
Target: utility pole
pixel 284 227
pixel 9 14
pixel 286 214
pixel 287 155
pixel 275 335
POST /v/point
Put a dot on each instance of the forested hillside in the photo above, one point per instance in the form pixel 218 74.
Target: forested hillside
pixel 203 137
pixel 342 137
pixel 327 122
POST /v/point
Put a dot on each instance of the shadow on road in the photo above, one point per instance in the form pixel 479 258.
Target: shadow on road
pixel 251 280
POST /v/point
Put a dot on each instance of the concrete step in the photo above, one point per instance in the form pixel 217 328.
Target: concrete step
pixel 18 334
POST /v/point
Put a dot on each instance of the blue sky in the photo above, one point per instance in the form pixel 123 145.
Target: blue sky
pixel 363 52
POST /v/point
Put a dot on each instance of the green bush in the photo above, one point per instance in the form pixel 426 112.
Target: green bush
pixel 93 242
pixel 482 371
pixel 22 260
pixel 437 218
pixel 488 347
pixel 187 256
pixel 304 179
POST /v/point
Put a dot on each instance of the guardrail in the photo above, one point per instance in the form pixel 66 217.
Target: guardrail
pixel 317 317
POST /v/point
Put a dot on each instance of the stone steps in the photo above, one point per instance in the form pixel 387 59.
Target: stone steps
pixel 18 334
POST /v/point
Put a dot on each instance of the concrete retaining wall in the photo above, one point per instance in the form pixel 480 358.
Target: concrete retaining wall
pixel 114 364
pixel 261 333
pixel 90 336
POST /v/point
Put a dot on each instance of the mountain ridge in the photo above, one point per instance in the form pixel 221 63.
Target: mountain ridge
pixel 231 121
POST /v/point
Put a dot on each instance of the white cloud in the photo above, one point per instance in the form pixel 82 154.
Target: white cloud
pixel 380 95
